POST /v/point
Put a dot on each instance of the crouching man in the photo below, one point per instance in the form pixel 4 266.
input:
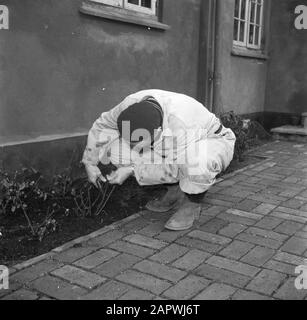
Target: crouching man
pixel 161 137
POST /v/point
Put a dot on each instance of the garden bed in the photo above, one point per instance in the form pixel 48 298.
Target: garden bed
pixel 17 243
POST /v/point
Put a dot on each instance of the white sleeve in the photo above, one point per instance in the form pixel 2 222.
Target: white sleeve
pixel 103 132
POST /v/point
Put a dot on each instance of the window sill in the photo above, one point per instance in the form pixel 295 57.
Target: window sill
pixel 248 53
pixel 122 15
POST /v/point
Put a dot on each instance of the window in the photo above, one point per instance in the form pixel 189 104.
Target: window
pixel 148 7
pixel 248 23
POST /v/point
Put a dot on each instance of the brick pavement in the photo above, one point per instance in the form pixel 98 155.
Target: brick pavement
pixel 251 236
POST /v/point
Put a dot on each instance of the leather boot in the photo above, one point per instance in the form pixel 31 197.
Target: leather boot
pixel 168 202
pixel 184 218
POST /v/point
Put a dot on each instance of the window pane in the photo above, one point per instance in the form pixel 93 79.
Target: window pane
pixel 242 27
pixel 146 3
pixel 257 40
pixel 243 9
pixel 258 14
pixel 252 12
pixel 251 34
pixel 134 2
pixel 235 30
pixel 237 6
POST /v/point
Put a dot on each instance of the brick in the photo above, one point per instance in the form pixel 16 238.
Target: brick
pixel 247 204
pixel 186 288
pixel 224 197
pixel 13 286
pixel 280 267
pixel 95 259
pixel 236 250
pixel 152 229
pixel 295 245
pixel 217 291
pixel 36 271
pixel 289 258
pixel 301 234
pixel 22 294
pixel 264 208
pixel 135 225
pixel 79 277
pixel 73 254
pixel 218 203
pixel 233 266
pixel 214 210
pixel 294 212
pixel 267 198
pixel 214 225
pixel 293 203
pixel 266 282
pixel 236 219
pixel 232 230
pixel 248 295
pixel 289 193
pixel 245 214
pixel 132 249
pixel 198 244
pixel 222 275
pixel 267 234
pixel 137 294
pixel 171 236
pixel 191 260
pixel 227 183
pixel 117 265
pixel 289 217
pixel 58 289
pixel 106 239
pixel 258 256
pixel 159 270
pixel 289 292
pixel 169 254
pixel 261 241
pixel 145 241
pixel 144 281
pixel 209 237
pixel 269 223
pixel 111 290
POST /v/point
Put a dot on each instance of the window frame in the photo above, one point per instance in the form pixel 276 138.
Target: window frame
pixel 124 4
pixel 114 11
pixel 139 8
pixel 245 44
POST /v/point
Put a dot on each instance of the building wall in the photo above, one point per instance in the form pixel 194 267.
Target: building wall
pixel 287 75
pixel 59 69
pixel 241 81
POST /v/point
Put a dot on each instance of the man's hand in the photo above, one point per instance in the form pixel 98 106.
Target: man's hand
pixel 120 175
pixel 94 174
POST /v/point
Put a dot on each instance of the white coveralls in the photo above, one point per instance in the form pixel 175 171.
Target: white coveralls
pixel 188 150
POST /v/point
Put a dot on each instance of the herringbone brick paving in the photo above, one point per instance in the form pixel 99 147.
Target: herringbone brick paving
pixel 251 236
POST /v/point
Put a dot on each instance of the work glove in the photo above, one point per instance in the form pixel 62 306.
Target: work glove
pixel 120 175
pixel 94 174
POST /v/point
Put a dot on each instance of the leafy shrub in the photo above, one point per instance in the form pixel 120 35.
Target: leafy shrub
pixel 27 193
pixel 247 132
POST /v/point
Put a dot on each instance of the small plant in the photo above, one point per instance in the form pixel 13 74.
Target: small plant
pixel 247 132
pixel 20 192
pixel 236 124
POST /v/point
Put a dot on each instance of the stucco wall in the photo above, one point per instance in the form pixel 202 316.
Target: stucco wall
pixel 287 75
pixel 59 69
pixel 241 81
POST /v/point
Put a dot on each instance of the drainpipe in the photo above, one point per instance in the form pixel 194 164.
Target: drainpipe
pixel 217 65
